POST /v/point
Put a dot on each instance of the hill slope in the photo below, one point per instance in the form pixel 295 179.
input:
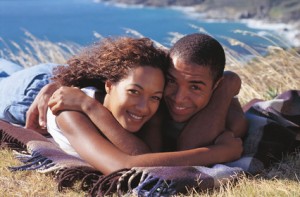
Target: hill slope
pixel 273 10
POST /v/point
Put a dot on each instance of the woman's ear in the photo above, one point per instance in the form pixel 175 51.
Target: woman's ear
pixel 108 85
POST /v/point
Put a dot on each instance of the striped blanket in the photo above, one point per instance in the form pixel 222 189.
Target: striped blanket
pixel 274 131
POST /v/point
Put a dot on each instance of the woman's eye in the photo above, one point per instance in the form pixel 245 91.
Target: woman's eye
pixel 157 98
pixel 133 91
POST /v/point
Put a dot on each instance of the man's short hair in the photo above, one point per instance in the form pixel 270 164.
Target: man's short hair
pixel 202 50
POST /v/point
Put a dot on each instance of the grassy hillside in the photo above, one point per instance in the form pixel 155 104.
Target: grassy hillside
pixel 285 11
pixel 263 77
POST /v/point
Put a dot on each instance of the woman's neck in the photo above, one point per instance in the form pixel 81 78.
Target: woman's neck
pixel 105 101
pixel 102 98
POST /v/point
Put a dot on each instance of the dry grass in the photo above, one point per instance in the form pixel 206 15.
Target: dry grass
pixel 263 77
pixel 27 183
pixel 37 51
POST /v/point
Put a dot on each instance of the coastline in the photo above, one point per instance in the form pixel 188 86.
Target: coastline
pixel 288 33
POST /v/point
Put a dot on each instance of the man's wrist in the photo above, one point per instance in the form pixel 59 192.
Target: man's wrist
pixel 89 104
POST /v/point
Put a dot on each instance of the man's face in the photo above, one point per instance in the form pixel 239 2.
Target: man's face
pixel 188 89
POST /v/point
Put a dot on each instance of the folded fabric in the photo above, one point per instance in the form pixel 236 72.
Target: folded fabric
pixel 274 131
pixel 165 180
pixel 17 97
pixel 7 68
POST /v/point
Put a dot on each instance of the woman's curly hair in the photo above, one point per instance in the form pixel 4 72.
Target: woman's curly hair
pixel 110 59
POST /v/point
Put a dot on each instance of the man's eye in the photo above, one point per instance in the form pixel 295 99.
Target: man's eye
pixel 195 87
pixel 169 80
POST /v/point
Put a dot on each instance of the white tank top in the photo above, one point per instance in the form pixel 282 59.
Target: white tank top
pixel 57 134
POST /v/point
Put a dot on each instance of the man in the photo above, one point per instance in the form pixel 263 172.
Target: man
pixel 199 94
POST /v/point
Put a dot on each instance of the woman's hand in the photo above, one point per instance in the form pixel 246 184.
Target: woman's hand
pixel 37 113
pixel 68 98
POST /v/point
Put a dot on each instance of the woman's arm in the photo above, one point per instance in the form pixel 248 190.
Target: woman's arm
pixel 70 98
pixel 151 132
pixel 104 156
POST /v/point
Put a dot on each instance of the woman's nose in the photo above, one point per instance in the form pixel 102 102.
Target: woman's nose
pixel 143 106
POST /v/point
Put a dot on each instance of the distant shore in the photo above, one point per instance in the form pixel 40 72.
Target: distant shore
pixel 289 32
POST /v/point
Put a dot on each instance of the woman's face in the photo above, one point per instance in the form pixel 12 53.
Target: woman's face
pixel 135 99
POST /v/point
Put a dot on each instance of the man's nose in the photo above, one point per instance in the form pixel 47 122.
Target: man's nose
pixel 179 95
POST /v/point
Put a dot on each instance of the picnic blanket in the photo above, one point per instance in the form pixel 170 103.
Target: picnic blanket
pixel 274 131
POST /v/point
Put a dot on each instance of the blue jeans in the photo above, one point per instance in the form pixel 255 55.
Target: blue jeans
pixel 19 87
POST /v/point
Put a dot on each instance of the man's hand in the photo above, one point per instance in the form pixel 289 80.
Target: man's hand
pixel 37 113
pixel 69 98
pixel 233 146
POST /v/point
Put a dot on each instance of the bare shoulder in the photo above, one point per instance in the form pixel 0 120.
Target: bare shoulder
pixel 231 83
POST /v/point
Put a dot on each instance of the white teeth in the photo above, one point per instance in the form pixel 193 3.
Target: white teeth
pixel 179 108
pixel 135 117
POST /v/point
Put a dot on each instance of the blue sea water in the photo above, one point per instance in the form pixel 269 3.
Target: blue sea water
pixel 77 20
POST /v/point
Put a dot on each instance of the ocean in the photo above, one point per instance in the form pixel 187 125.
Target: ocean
pixel 82 21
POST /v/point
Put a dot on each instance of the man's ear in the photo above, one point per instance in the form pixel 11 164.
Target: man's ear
pixel 218 83
pixel 108 85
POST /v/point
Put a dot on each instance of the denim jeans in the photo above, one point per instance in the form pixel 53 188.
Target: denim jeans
pixel 19 87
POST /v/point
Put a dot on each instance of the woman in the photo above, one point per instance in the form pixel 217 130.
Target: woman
pixel 126 75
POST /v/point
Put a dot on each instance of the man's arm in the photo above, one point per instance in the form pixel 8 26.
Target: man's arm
pixel 104 156
pixel 221 114
pixel 236 121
